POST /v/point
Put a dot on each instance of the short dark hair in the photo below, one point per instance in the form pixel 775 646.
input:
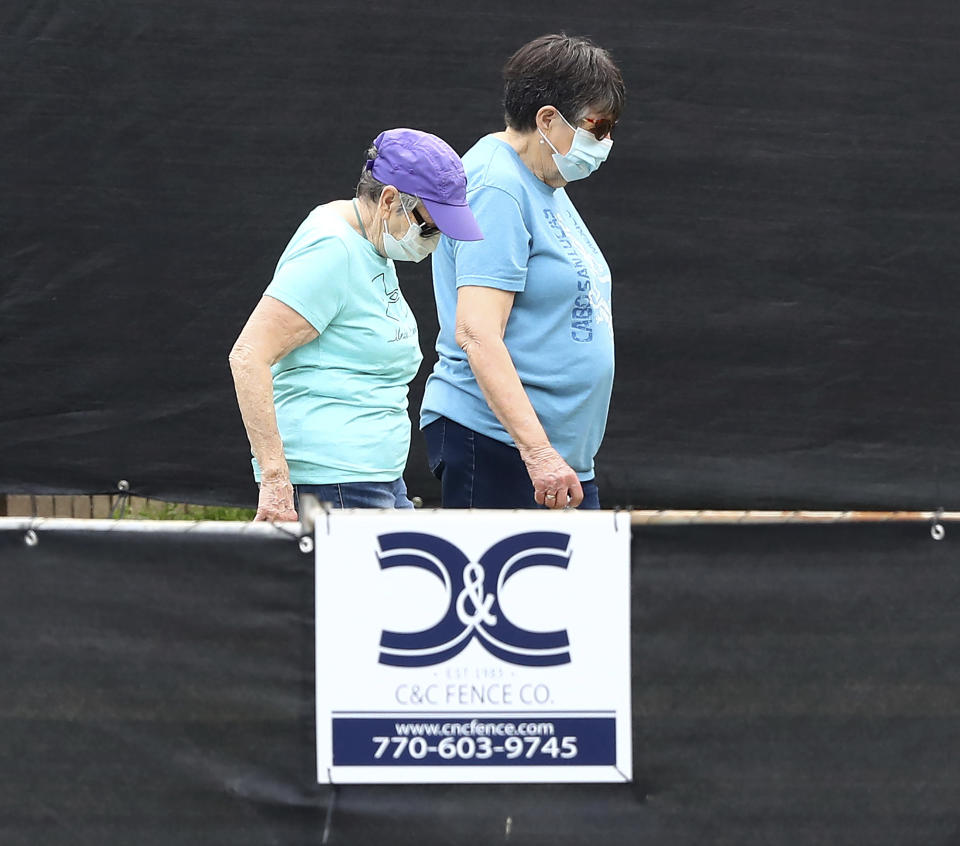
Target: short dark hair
pixel 568 72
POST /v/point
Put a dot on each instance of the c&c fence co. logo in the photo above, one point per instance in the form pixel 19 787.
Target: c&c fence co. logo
pixel 473 609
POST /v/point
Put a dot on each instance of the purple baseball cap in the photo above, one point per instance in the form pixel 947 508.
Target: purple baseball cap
pixel 421 164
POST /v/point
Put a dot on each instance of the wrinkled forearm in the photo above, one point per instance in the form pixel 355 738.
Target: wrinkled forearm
pixel 555 484
pixel 498 379
pixel 254 386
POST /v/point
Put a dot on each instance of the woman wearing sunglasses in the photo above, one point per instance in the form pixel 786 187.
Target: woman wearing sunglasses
pixel 515 408
pixel 322 366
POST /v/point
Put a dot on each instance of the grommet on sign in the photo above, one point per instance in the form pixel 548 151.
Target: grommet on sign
pixel 937 530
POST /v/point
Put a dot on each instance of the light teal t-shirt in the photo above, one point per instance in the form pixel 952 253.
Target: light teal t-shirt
pixel 341 399
pixel 560 330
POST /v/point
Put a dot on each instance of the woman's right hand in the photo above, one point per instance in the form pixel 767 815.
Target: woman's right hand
pixel 276 502
pixel 555 483
pixel 273 331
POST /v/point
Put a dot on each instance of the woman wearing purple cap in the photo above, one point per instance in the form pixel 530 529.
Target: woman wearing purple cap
pixel 515 409
pixel 322 366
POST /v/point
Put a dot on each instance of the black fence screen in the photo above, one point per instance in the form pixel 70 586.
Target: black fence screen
pixel 791 685
pixel 779 212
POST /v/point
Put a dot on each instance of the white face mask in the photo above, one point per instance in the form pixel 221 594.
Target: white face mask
pixel 585 156
pixel 412 247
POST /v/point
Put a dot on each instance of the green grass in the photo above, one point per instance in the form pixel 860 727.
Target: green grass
pixel 175 511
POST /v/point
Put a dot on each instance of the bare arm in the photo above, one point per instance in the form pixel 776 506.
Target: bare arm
pixel 482 315
pixel 273 330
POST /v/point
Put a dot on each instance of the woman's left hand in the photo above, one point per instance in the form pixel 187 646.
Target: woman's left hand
pixel 555 483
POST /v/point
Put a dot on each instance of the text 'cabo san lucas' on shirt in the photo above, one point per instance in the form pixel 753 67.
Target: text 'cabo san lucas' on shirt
pixel 560 330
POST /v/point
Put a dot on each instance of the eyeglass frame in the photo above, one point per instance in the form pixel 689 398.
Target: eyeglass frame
pixel 598 124
pixel 427 230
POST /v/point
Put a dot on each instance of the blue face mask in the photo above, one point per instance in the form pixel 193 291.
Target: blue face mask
pixel 585 156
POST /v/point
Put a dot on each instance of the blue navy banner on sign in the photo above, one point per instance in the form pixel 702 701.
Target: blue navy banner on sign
pixel 473 646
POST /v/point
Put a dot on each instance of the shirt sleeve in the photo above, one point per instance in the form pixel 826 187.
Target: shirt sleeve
pixel 313 281
pixel 500 259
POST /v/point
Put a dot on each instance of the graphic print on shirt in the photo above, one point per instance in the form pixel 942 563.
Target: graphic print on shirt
pixel 392 297
pixel 397 309
pixel 591 305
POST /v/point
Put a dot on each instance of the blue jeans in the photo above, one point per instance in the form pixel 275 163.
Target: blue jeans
pixel 479 472
pixel 357 494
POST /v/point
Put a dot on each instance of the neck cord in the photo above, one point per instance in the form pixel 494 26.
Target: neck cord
pixel 356 209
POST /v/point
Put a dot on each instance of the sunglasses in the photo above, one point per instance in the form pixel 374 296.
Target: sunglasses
pixel 600 127
pixel 427 230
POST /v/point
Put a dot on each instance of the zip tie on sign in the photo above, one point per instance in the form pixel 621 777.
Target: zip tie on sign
pixel 123 486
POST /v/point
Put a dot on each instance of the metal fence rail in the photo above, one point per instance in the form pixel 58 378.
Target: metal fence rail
pixel 683 517
pixel 102 506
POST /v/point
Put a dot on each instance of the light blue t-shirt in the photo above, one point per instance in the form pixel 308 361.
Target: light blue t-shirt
pixel 341 399
pixel 560 331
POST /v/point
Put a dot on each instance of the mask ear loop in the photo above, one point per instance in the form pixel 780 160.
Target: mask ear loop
pixel 574 128
pixel 386 231
pixel 544 139
pixel 406 214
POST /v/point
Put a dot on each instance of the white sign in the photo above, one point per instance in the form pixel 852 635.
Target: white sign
pixel 473 646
